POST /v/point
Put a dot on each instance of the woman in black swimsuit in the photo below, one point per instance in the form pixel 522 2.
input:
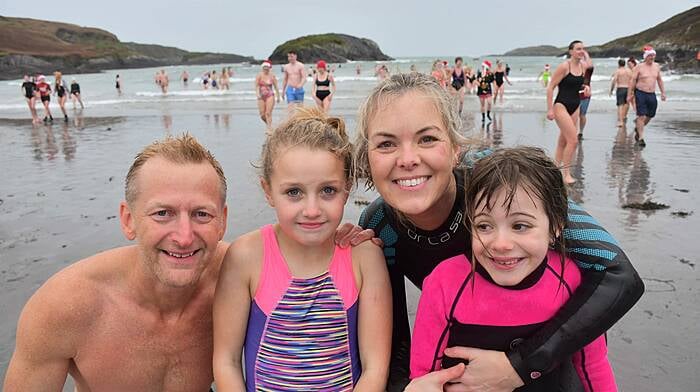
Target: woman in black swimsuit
pixel 568 78
pixel 499 75
pixel 323 88
pixel 459 82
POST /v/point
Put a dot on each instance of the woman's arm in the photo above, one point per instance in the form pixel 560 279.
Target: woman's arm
pixel 231 306
pixel 374 328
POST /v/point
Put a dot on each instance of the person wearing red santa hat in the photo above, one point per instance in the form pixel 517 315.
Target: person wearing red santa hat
pixel 265 81
pixel 642 91
pixel 323 87
pixel 484 90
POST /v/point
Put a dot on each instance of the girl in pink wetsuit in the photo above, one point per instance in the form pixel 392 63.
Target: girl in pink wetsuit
pixel 517 208
pixel 310 316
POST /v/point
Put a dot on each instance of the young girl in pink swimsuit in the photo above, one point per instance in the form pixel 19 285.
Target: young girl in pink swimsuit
pixel 517 208
pixel 311 316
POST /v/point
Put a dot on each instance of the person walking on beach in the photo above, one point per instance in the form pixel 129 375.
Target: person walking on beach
pixel 185 77
pixel 163 81
pixel 44 90
pixel 642 89
pixel 29 93
pixel 75 93
pixel 458 83
pixel 293 83
pixel 61 90
pixel 620 83
pixel 499 75
pixel 265 81
pixel 544 76
pixel 585 96
pixel 139 317
pixel 224 79
pixel 118 84
pixel 484 89
pixel 568 79
pixel 323 88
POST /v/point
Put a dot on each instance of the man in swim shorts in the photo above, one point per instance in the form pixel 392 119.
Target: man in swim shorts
pixel 642 90
pixel 294 79
pixel 620 80
pixel 136 318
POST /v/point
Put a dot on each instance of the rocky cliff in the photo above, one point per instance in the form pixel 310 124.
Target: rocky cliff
pixel 333 48
pixel 676 41
pixel 40 46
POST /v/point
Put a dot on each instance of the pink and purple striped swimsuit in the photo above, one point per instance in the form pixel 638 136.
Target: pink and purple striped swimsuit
pixel 302 332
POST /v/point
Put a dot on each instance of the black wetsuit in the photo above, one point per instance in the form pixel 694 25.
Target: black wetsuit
pixel 568 94
pixel 322 94
pixel 499 78
pixel 74 88
pixel 457 80
pixel 610 286
pixel 29 88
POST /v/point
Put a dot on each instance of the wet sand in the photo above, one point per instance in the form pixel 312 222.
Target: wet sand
pixel 61 186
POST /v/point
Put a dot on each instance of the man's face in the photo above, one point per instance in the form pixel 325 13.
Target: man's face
pixel 177 219
pixel 292 57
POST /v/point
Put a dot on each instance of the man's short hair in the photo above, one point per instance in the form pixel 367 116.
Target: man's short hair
pixel 292 52
pixel 181 150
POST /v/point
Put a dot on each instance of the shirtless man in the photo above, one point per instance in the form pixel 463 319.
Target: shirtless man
pixel 136 318
pixel 294 79
pixel 164 81
pixel 642 89
pixel 621 79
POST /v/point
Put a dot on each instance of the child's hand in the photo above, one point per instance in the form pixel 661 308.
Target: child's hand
pixel 434 382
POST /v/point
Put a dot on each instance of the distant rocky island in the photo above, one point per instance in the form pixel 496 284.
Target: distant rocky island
pixel 676 41
pixel 40 46
pixel 333 48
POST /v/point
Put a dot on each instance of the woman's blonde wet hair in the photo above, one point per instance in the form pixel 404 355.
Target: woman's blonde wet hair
pixel 311 128
pixel 391 89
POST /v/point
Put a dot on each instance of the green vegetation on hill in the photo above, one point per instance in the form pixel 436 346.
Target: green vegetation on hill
pixel 32 45
pixel 331 47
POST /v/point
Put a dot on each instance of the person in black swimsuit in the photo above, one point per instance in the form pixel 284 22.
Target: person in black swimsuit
pixel 458 82
pixel 29 92
pixel 568 78
pixel 499 76
pixel 75 93
pixel 323 88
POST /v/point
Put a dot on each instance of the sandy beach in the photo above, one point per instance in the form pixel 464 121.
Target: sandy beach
pixel 61 185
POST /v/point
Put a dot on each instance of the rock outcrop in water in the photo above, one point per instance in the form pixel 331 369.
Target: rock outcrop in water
pixel 32 45
pixel 676 41
pixel 333 48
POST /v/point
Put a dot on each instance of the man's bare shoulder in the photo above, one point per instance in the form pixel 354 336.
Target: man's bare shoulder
pixel 76 292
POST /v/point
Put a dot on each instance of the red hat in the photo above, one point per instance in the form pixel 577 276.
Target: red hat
pixel 266 63
pixel 321 64
pixel 486 64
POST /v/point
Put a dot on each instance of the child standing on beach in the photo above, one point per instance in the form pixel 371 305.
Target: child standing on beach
pixel 517 209
pixel 310 315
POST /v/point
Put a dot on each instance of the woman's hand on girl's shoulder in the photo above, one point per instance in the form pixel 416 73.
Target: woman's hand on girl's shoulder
pixel 348 234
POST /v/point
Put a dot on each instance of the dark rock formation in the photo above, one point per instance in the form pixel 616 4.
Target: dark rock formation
pixel 39 46
pixel 333 48
pixel 542 50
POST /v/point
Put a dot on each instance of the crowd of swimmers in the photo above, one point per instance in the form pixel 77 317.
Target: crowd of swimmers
pixel 634 85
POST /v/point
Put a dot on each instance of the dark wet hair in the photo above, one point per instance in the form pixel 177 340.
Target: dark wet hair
pixel 458 59
pixel 621 62
pixel 291 52
pixel 523 167
pixel 573 43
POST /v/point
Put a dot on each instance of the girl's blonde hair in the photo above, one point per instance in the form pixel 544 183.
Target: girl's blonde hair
pixel 312 128
pixel 391 89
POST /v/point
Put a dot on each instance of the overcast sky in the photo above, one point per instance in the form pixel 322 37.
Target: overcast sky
pixel 401 28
